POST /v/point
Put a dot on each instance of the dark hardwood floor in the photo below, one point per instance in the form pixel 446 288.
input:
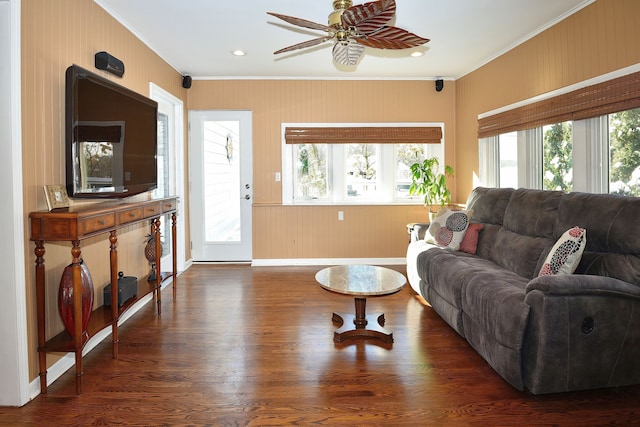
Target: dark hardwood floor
pixel 254 346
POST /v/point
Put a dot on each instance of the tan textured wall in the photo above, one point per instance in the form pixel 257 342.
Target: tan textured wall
pixel 315 232
pixel 603 37
pixel 56 34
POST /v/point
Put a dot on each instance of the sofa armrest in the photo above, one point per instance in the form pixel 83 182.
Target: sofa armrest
pixel 418 230
pixel 581 334
pixel 582 284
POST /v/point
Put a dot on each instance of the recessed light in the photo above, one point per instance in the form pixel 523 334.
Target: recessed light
pixel 417 54
pixel 239 52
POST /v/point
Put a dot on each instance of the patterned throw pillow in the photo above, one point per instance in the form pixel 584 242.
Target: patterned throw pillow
pixel 448 228
pixel 565 255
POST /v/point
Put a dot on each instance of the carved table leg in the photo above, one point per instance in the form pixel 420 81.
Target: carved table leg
pixel 174 253
pixel 156 231
pixel 40 304
pixel 115 303
pixel 363 325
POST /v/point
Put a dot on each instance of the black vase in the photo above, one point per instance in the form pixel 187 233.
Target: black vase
pixel 65 297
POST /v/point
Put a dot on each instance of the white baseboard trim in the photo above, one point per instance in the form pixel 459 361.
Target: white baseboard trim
pixel 67 361
pixel 326 261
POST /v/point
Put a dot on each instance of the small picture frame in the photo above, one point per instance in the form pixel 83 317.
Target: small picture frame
pixel 56 196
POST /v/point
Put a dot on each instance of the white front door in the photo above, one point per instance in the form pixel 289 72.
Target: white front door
pixel 221 170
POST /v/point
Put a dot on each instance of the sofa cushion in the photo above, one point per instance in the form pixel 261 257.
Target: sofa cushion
pixel 494 298
pixel 489 204
pixel 444 274
pixel 519 253
pixel 448 228
pixel 495 318
pixel 614 238
pixel 487 239
pixel 565 255
pixel 533 213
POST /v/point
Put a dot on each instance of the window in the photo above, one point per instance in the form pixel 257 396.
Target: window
pixel 566 166
pixel 584 137
pixel 557 157
pixel 163 178
pixel 352 173
pixel 624 152
pixel 508 152
pixel 361 166
pixel 311 173
pixel 405 156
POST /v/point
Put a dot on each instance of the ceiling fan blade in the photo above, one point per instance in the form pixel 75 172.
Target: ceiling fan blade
pixel 302 45
pixel 347 54
pixel 369 17
pixel 392 38
pixel 300 22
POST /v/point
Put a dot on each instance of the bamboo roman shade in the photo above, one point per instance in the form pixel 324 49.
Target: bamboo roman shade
pixel 363 135
pixel 619 94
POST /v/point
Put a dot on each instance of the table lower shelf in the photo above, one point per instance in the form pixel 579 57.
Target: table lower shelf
pixel 100 319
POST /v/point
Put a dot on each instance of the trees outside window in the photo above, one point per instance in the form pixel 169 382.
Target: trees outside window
pixel 624 152
pixel 558 157
pixel 311 171
pixel 361 169
pixel 97 158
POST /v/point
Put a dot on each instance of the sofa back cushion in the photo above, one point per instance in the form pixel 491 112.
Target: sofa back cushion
pixel 613 234
pixel 522 225
pixel 527 231
pixel 489 204
pixel 533 213
pixel 519 253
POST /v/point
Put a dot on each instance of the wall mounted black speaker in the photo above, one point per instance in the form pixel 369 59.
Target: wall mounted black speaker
pixel 186 82
pixel 439 85
pixel 109 63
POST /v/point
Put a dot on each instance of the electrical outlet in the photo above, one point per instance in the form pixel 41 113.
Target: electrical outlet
pixel 340 216
pixel 278 177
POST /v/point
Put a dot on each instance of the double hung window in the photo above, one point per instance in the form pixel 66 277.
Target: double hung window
pixel 363 171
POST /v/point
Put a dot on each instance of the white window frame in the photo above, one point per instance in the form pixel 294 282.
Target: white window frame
pixel 174 108
pixel 336 154
pixel 590 157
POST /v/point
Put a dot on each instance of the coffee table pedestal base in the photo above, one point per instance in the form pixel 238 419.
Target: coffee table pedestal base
pixel 363 325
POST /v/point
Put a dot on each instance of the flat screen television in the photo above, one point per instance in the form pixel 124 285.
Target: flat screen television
pixel 111 138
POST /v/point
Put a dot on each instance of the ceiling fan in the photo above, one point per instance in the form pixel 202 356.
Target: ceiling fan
pixel 353 28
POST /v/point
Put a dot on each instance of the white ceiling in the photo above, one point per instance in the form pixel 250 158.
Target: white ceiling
pixel 197 36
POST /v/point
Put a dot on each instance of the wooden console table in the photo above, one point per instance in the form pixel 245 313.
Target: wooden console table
pixel 74 225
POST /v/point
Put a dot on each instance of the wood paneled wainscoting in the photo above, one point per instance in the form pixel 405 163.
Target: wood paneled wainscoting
pixel 254 346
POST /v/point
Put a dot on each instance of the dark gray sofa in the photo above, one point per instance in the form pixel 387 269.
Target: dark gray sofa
pixel 551 333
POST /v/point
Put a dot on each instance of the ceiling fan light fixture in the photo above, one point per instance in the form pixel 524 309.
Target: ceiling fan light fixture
pixel 342 37
pixel 335 17
pixel 417 54
pixel 342 4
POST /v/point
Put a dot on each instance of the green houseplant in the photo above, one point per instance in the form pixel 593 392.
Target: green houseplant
pixel 429 181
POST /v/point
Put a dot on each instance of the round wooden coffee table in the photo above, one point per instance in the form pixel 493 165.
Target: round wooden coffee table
pixel 362 281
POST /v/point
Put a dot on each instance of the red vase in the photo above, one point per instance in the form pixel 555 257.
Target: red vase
pixel 65 297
